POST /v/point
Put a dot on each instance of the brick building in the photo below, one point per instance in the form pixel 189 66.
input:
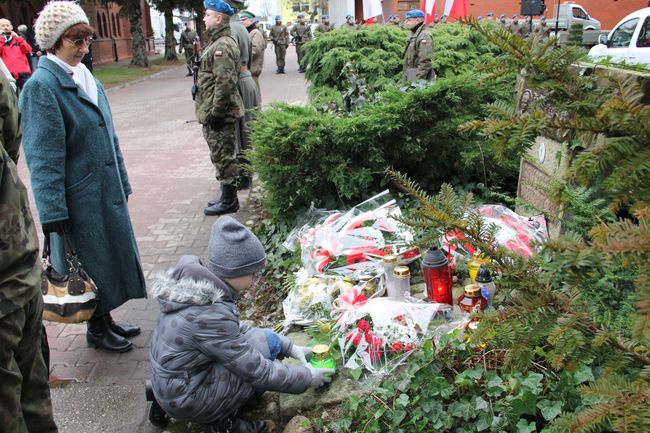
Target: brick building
pixel 114 42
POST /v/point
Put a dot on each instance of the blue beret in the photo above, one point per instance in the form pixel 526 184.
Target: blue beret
pixel 490 14
pixel 515 16
pixel 348 16
pixel 301 15
pixel 503 16
pixel 218 6
pixel 415 13
pixel 479 18
pixel 278 18
pixel 436 15
pixel 325 17
pixel 543 17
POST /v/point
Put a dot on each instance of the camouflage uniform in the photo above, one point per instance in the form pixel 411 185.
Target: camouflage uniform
pixel 280 38
pixel 417 57
pixel 24 389
pixel 324 28
pixel 301 33
pixel 219 106
pixel 257 56
pixel 187 42
pixel 541 31
pixel 350 26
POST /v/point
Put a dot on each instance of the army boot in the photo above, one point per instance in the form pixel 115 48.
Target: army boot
pixel 228 203
pixel 282 70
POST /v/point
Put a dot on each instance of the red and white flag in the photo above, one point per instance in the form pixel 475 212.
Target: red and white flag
pixel 371 9
pixel 457 9
pixel 429 9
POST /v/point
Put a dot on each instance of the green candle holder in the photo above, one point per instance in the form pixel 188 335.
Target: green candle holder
pixel 321 357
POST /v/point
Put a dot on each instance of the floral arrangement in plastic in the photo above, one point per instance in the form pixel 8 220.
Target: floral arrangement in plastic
pixel 353 243
pixel 378 334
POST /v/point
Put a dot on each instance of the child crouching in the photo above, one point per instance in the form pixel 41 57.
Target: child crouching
pixel 205 363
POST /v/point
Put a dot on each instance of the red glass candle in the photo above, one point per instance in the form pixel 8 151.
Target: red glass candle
pixel 437 276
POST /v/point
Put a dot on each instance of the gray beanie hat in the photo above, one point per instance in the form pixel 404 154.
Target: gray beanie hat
pixel 234 251
pixel 55 18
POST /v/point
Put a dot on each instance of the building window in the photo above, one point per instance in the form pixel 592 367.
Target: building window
pixel 105 25
pixel 300 7
pixel 114 24
pixel 407 5
pixel 100 28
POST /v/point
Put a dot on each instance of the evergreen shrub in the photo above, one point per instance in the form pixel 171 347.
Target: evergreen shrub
pixel 304 155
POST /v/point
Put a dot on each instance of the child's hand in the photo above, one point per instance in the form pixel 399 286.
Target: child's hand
pixel 299 353
pixel 320 376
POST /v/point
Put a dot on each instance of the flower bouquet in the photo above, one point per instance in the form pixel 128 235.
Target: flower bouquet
pixel 353 243
pixel 379 334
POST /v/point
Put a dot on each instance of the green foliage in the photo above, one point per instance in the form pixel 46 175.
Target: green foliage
pixel 459 48
pixel 604 112
pixel 264 301
pixel 375 50
pixel 303 155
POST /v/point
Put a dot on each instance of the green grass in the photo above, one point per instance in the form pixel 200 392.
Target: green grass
pixel 114 74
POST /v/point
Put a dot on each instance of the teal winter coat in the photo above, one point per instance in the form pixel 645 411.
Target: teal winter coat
pixel 78 176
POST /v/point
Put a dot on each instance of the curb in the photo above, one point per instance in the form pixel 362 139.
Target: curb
pixel 140 80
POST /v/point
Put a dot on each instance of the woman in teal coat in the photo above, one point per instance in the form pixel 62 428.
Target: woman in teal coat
pixel 77 170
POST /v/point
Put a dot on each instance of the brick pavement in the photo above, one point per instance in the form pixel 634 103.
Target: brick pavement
pixel 172 178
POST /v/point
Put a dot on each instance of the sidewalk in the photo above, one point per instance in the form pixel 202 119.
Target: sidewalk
pixel 172 178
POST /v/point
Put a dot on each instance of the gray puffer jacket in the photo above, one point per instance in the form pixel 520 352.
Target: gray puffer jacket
pixel 202 366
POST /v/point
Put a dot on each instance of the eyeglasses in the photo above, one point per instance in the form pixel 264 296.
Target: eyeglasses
pixel 79 42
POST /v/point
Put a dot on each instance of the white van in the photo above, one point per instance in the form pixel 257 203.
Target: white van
pixel 628 42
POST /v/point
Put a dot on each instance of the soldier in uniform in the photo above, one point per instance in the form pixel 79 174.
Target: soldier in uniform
pixel 24 389
pixel 503 21
pixel 393 20
pixel 541 30
pixel 219 105
pixel 258 43
pixel 417 57
pixel 527 27
pixel 247 87
pixel 187 44
pixel 280 38
pixel 350 23
pixel 300 33
pixel 325 26
pixel 514 26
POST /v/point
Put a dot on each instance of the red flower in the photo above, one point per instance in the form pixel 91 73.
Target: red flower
pixel 410 346
pixel 399 318
pixel 397 347
pixel 354 336
pixel 363 326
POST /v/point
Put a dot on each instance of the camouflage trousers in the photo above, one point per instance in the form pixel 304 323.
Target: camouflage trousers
pixel 224 143
pixel 189 53
pixel 280 53
pixel 24 389
pixel 300 52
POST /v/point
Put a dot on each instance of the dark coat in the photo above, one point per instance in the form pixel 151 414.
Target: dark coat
pixel 203 367
pixel 78 175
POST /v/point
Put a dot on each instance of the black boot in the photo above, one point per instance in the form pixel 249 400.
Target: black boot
pixel 228 203
pixel 282 70
pixel 100 336
pixel 126 331
pixel 157 415
pixel 189 71
pixel 243 182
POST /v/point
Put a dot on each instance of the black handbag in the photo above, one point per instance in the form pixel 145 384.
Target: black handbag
pixel 70 298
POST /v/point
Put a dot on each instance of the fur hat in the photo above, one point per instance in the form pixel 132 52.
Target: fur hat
pixel 55 18
pixel 233 250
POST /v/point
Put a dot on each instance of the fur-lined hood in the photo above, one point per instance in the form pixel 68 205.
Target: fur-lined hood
pixel 190 283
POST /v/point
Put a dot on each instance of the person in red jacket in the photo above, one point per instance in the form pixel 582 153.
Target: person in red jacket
pixel 13 51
